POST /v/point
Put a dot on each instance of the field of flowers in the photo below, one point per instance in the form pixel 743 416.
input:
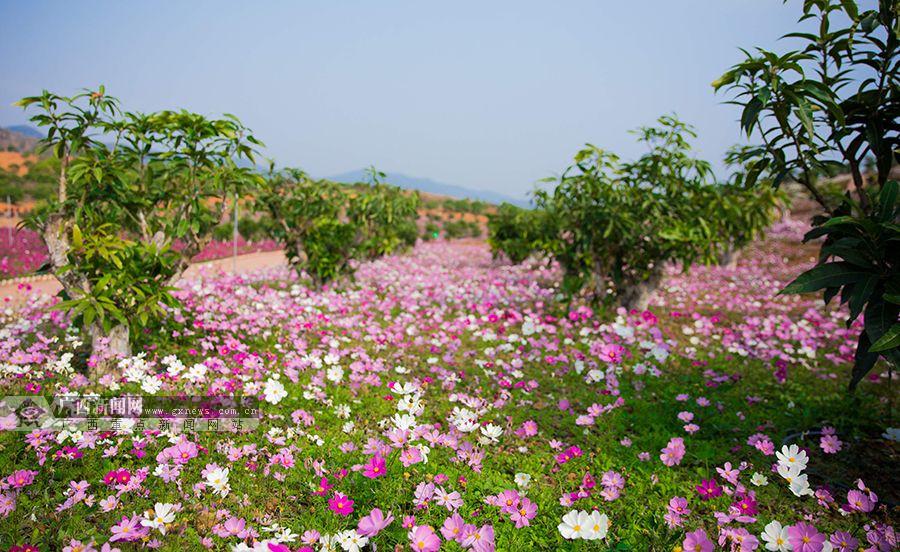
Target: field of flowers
pixel 447 400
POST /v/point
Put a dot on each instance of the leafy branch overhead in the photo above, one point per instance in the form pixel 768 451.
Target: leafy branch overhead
pixel 832 105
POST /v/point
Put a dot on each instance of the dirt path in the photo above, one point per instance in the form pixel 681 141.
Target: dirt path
pixel 18 292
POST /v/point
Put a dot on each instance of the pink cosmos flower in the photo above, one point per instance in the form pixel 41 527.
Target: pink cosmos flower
pixel 859 501
pixel 340 504
pixel 374 523
pixel 523 513
pixel 453 528
pixel 128 530
pixel 843 541
pixel 805 538
pixel 422 538
pixel 697 541
pixel 673 452
pixel 481 540
pixel 830 444
pixel 410 456
pixel 323 488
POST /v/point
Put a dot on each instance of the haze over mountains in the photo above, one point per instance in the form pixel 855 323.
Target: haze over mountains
pixel 431 186
pixel 23 138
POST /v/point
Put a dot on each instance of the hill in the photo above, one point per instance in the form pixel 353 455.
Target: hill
pixel 432 187
pixel 14 140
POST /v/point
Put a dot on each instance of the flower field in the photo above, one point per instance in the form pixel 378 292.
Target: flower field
pixel 447 400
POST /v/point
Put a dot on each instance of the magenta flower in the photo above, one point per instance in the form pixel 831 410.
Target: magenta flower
pixel 375 468
pixel 21 478
pixel 708 488
pixel 340 504
pixel 805 538
pixel 374 523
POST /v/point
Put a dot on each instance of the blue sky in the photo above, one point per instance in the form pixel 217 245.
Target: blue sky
pixel 484 94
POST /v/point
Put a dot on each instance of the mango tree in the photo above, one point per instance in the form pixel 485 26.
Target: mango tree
pixel 131 185
pixel 619 224
pixel 829 106
pixel 324 225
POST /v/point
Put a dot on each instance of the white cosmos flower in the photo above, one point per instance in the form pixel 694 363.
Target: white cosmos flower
pixel 351 541
pixel 759 479
pixel 571 526
pixel 218 480
pixel 274 391
pixel 335 374
pixel 776 537
pixel 405 388
pixel 597 527
pixel 523 480
pixel 800 486
pixel 151 385
pixel 792 456
pixel 196 373
pixel 157 518
pixel 404 421
pixel 492 432
pixel 789 473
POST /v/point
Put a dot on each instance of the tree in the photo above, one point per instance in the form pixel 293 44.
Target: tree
pixel 324 225
pixel 516 232
pixel 827 107
pixel 129 185
pixel 619 224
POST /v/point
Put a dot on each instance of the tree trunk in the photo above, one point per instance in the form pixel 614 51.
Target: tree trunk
pixel 599 283
pixel 109 346
pixel 729 257
pixel 637 295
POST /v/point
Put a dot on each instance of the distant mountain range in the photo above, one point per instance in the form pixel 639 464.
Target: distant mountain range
pixel 432 187
pixel 26 130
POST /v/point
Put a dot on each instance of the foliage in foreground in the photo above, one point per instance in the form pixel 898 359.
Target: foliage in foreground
pixel 825 107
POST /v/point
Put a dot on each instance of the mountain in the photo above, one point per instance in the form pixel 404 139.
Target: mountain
pixel 11 139
pixel 431 186
pixel 29 131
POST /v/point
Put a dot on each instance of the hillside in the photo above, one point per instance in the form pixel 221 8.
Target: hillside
pixel 15 140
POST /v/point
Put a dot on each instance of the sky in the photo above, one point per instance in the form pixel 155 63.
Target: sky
pixel 484 94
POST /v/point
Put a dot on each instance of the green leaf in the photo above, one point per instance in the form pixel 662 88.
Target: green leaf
pixel 825 276
pixel 889 340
